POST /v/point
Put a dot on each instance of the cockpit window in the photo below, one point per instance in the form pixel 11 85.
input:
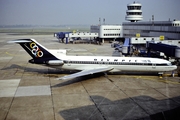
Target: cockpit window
pixel 169 64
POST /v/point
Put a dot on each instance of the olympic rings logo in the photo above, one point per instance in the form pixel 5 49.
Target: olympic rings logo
pixel 35 50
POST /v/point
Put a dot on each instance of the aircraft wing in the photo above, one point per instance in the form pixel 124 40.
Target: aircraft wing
pixel 86 72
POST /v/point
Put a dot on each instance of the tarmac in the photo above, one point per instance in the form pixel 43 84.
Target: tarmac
pixel 31 92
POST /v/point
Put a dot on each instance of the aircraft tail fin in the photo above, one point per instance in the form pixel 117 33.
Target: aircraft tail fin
pixel 38 52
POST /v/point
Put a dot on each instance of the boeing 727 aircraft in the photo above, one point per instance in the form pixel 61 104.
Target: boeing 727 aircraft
pixel 90 64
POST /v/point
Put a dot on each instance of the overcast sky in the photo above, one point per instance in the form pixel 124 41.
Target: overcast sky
pixel 60 12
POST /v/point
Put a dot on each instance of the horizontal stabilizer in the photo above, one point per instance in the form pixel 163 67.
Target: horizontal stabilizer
pixel 20 41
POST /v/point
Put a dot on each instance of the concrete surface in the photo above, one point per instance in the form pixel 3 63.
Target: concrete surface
pixel 29 91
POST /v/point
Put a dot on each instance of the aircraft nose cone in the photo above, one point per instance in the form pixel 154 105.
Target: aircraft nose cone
pixel 174 67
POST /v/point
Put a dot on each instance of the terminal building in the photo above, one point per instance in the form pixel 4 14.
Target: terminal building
pixel 170 30
pixel 114 32
pixel 154 36
pixel 108 32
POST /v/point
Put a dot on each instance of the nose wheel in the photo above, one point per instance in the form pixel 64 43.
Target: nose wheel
pixel 172 74
pixel 160 74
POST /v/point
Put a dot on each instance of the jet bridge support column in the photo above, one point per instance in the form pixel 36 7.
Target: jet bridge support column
pixel 148 52
pixel 102 40
pixel 66 40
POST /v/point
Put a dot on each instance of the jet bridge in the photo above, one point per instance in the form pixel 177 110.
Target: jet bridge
pixel 171 48
pixel 61 35
pixel 80 35
pixel 136 43
pixel 168 50
pixel 69 35
pixel 126 46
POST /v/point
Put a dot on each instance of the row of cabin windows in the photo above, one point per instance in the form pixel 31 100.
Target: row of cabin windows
pixel 150 24
pixel 83 33
pixel 112 63
pixel 144 39
pixel 134 13
pixel 112 29
pixel 134 7
pixel 112 34
pixel 175 24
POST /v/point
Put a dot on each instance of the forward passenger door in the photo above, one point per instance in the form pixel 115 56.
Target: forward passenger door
pixel 154 66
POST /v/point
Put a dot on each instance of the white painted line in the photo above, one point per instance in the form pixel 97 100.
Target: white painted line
pixel 8 87
pixel 33 91
pixel 79 50
pixel 3 48
pixel 22 50
pixel 5 58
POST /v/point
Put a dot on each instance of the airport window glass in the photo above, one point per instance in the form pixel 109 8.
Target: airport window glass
pixel 134 13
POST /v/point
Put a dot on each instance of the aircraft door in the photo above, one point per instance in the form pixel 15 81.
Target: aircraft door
pixel 100 63
pixel 69 62
pixel 103 63
pixel 153 66
pixel 107 63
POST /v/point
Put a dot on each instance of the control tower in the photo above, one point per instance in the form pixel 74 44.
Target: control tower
pixel 134 12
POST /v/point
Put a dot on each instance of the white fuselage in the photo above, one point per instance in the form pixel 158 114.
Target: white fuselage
pixel 117 63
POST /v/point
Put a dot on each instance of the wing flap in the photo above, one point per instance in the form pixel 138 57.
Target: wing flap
pixel 85 72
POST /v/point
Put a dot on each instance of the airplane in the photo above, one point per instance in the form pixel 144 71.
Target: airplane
pixel 90 64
